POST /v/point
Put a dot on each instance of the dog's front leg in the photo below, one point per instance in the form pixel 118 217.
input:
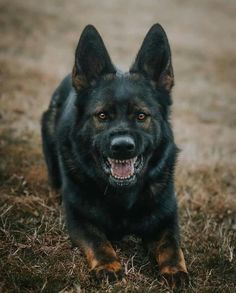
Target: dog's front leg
pixel 170 258
pixel 101 256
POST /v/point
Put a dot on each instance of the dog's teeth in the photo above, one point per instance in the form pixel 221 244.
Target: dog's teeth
pixel 111 161
pixel 122 178
pixel 135 159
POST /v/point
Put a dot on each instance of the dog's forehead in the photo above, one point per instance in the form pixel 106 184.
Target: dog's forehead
pixel 123 89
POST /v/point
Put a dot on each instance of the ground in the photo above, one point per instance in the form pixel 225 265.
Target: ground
pixel 38 39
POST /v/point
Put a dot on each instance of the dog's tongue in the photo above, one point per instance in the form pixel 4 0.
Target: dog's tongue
pixel 122 169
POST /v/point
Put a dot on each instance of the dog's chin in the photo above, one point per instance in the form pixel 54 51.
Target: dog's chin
pixel 122 173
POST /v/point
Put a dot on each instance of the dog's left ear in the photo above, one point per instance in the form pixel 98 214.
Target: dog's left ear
pixel 154 59
pixel 91 59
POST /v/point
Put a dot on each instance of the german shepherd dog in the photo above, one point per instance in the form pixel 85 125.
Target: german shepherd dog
pixel 110 149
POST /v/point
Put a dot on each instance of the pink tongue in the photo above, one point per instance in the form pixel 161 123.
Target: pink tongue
pixel 122 170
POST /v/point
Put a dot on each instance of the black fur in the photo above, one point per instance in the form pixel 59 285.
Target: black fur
pixel 76 142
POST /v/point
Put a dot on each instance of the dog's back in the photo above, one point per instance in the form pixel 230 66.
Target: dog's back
pixel 49 125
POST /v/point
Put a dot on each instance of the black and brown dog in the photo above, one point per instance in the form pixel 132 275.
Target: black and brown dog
pixel 109 147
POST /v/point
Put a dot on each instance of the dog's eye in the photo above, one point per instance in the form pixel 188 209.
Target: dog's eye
pixel 102 116
pixel 141 116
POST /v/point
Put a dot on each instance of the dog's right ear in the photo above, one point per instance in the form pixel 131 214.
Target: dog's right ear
pixel 91 59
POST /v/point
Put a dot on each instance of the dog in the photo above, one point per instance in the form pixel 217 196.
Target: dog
pixel 109 148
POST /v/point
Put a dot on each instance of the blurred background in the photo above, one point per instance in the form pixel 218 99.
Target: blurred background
pixel 38 40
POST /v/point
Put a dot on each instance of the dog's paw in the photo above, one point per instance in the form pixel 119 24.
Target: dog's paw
pixel 175 278
pixel 110 271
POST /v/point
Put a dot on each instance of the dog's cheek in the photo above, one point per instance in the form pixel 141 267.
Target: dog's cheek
pixel 100 143
pixel 146 125
pixel 156 133
pixel 97 125
pixel 152 137
pixel 143 142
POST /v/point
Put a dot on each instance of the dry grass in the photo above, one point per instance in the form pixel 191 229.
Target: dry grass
pixel 37 50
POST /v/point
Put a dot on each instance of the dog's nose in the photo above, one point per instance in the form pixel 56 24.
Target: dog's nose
pixel 122 145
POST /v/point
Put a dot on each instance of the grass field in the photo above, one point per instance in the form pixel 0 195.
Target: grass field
pixel 38 39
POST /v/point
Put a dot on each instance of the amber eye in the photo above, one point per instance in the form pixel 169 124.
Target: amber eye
pixel 141 116
pixel 102 116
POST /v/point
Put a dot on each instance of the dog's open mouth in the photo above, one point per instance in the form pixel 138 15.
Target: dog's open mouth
pixel 123 172
pixel 122 169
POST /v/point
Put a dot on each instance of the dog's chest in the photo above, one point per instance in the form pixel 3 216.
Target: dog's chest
pixel 131 222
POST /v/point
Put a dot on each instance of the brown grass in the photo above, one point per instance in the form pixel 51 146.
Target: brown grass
pixel 37 39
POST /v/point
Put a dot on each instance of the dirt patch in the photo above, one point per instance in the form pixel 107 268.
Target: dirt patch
pixel 37 48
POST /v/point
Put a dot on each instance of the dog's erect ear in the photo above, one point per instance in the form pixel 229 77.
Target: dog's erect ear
pixel 91 58
pixel 154 58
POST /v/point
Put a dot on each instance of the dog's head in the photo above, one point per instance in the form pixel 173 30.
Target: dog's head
pixel 122 118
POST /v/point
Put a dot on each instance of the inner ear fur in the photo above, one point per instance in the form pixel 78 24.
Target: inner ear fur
pixel 91 58
pixel 154 59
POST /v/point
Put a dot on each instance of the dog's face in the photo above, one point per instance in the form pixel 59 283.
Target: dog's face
pixel 121 117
